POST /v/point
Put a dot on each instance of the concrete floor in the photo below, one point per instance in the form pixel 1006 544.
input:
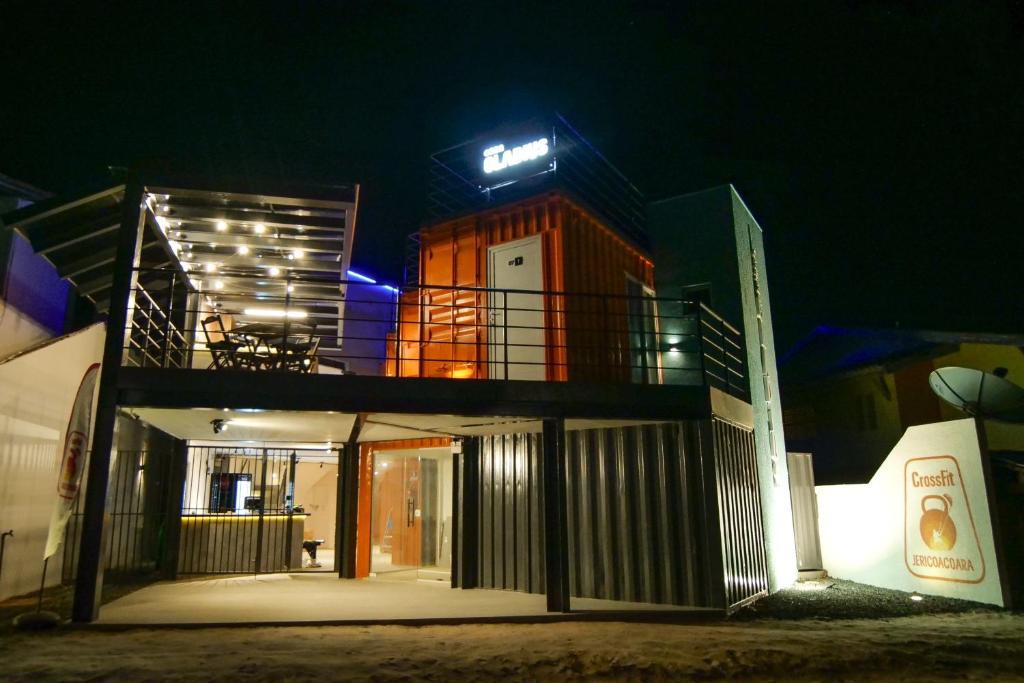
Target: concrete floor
pixel 323 598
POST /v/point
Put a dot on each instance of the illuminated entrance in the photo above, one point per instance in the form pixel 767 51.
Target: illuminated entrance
pixel 411 514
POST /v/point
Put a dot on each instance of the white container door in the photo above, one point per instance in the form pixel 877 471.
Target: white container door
pixel 516 318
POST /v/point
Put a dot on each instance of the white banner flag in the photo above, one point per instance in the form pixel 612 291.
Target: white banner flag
pixel 76 443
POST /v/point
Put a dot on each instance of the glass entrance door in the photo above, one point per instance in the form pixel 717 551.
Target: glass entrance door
pixel 412 514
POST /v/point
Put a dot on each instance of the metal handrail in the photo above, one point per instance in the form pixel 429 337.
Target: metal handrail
pixel 431 330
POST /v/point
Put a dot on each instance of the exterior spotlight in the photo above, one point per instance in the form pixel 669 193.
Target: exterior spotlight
pixel 916 597
pixel 275 271
pixel 218 284
pixel 219 425
pixel 221 226
pixel 298 253
pixel 243 250
pixel 211 267
pixel 259 228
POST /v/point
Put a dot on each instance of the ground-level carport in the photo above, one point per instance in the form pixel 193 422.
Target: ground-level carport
pixel 650 498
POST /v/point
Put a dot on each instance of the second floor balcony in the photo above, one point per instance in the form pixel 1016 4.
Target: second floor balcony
pixel 320 324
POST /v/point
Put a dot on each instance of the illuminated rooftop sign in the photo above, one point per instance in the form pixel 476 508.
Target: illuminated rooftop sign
pixel 497 157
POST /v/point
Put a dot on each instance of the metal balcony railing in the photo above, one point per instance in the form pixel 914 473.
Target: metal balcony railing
pixel 327 326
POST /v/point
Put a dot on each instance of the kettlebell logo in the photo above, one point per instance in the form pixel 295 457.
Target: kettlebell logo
pixel 937 528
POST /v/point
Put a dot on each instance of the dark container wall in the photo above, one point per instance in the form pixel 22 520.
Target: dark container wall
pixel 636 519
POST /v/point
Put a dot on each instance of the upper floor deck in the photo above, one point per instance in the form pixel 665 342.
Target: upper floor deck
pixel 227 285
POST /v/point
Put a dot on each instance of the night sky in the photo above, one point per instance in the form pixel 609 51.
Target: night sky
pixel 879 144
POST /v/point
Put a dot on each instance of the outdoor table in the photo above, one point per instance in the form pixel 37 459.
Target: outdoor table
pixel 265 333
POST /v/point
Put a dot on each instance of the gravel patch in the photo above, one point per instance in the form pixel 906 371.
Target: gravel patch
pixel 840 599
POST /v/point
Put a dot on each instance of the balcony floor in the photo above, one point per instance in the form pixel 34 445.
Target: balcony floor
pixel 180 388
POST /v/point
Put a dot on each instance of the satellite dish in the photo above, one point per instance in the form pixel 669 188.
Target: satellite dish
pixel 979 394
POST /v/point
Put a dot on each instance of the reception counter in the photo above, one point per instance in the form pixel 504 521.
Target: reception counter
pixel 239 544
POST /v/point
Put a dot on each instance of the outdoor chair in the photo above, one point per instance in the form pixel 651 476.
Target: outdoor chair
pixel 297 352
pixel 223 349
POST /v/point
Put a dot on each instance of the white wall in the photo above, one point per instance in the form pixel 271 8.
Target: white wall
pixel 316 490
pixel 18 331
pixel 872 533
pixel 772 468
pixel 37 391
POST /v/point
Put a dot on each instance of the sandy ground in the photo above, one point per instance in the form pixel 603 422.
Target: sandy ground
pixel 975 645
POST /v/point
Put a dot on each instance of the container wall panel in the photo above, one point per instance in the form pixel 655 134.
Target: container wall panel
pixel 739 506
pixel 582 257
pixel 511 534
pixel 632 511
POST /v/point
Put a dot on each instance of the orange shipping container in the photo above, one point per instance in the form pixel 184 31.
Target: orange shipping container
pixel 453 327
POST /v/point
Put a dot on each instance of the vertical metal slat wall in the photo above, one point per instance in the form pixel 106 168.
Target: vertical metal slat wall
pixel 634 499
pixel 739 506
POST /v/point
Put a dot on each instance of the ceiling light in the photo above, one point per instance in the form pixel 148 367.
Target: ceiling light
pixel 218 284
pixel 211 267
pixel 275 271
pixel 291 288
pixel 259 228
pixel 221 226
pixel 219 425
pixel 298 253
pixel 243 250
pixel 274 313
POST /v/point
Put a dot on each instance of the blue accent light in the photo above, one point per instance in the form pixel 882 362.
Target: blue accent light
pixel 362 278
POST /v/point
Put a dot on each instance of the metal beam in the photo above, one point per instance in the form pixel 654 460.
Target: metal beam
pixel 50 207
pixel 234 216
pixel 206 233
pixel 89 580
pixel 177 472
pixel 298 196
pixel 466 539
pixel 51 241
pixel 348 503
pixel 239 261
pixel 186 388
pixel 556 527
pixel 97 259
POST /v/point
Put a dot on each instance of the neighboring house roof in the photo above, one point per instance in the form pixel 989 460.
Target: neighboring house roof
pixel 830 351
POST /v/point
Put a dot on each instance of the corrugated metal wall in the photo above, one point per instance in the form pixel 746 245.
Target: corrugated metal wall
pixel 511 513
pixel 739 510
pixel 446 328
pixel 632 532
pixel 634 497
pixel 805 511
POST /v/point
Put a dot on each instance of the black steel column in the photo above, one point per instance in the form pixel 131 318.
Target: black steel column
pixel 339 515
pixel 466 539
pixel 89 581
pixel 348 504
pixel 177 471
pixel 556 529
